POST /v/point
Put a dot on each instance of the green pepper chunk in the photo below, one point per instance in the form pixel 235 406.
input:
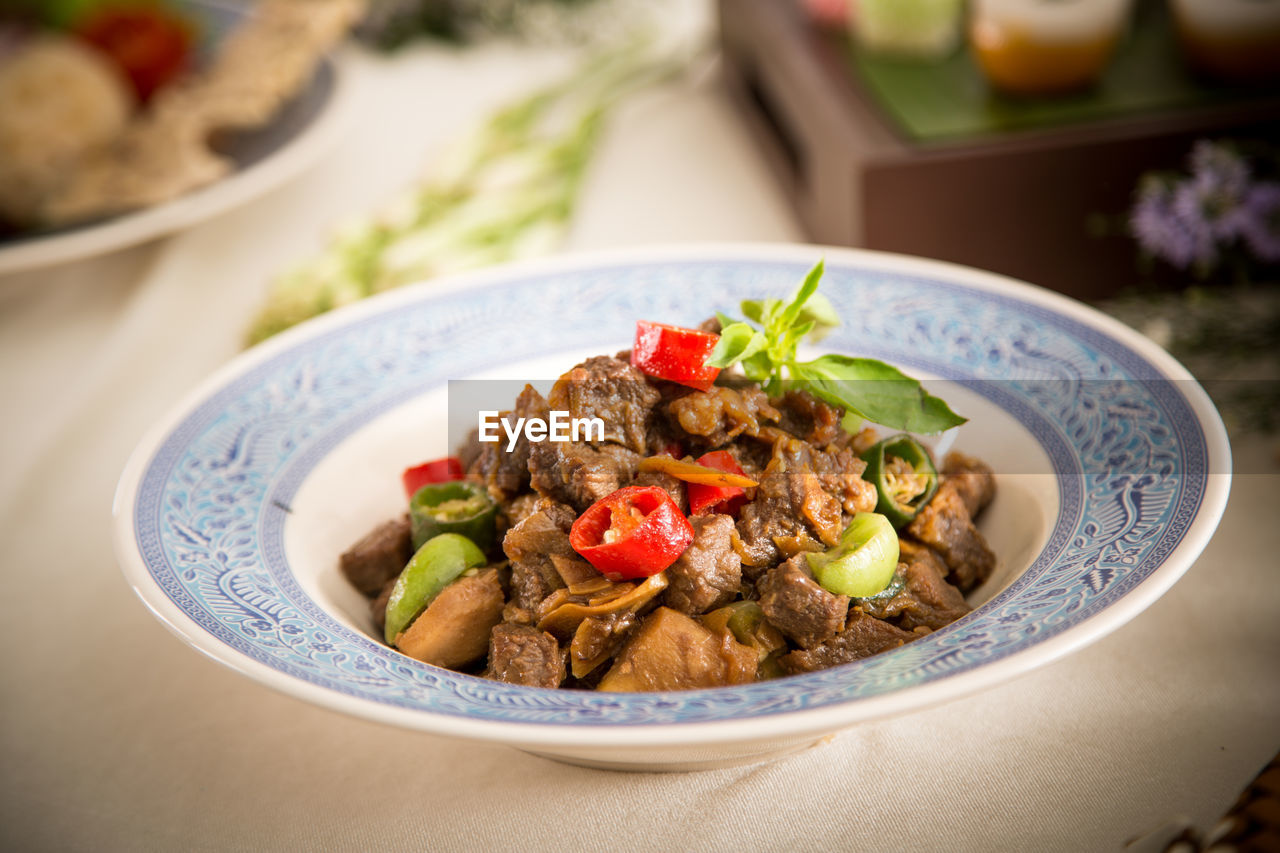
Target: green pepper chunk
pixel 771 667
pixel 745 620
pixel 862 563
pixel 438 563
pixel 904 476
pixel 456 507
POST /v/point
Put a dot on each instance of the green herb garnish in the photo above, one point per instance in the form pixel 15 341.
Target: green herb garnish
pixel 866 388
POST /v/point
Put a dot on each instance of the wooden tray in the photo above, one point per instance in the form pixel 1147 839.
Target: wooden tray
pixel 1037 190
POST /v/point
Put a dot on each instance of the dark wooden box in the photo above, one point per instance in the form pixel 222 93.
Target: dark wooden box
pixel 1045 204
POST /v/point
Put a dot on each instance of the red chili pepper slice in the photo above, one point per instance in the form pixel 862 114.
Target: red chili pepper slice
pixel 722 499
pixel 675 353
pixel 150 44
pixel 633 533
pixel 443 470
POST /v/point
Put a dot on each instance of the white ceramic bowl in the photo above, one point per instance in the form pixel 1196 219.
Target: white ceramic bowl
pixel 1113 472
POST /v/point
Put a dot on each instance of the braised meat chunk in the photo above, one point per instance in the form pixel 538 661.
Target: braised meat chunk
pixel 669 484
pixel 378 557
pixel 807 417
pixel 598 639
pixel 520 654
pixel 709 572
pixel 973 479
pixel 531 546
pixel 798 606
pixel 578 474
pixel 862 637
pixel 612 390
pixel 506 472
pixel 716 417
pixel 922 597
pixel 800 504
pixel 946 526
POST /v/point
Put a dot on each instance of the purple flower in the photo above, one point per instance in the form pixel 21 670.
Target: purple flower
pixel 1261 221
pixel 1212 200
pixel 1191 220
pixel 1166 231
pixel 1218 168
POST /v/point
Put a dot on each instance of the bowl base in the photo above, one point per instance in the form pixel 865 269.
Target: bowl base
pixel 683 760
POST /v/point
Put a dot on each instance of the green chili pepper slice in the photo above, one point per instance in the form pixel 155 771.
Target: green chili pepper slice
pixel 904 476
pixel 458 507
pixel 438 563
pixel 745 620
pixel 862 563
pixel 771 667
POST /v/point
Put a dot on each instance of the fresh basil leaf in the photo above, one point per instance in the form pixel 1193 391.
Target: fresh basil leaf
pixel 808 287
pixel 877 391
pixel 737 341
pixel 758 367
pixel 823 314
pixel 795 335
pixel 937 416
pixel 836 366
pixel 765 312
pixel 753 309
pixel 865 388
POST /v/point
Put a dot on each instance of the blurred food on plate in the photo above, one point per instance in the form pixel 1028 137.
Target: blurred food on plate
pixel 150 44
pixel 111 107
pixel 62 99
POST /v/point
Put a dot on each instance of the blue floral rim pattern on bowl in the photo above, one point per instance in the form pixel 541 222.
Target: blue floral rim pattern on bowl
pixel 208 516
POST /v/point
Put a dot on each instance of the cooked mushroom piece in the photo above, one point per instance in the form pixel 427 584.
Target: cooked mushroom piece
pixel 561 612
pixel 597 639
pixel 454 629
pixel 671 651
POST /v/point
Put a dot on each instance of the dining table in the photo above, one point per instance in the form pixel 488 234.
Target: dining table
pixel 114 735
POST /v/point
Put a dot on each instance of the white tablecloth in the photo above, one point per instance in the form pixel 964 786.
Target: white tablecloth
pixel 115 736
